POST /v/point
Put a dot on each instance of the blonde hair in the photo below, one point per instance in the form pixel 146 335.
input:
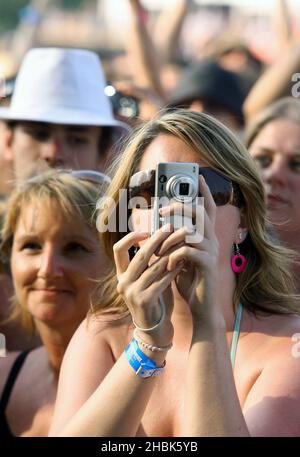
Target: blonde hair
pixel 285 108
pixel 266 284
pixel 3 204
pixel 77 199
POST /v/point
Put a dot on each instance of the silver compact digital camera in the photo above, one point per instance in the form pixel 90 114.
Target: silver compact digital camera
pixel 174 182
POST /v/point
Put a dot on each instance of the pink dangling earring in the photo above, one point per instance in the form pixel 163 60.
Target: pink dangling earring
pixel 238 261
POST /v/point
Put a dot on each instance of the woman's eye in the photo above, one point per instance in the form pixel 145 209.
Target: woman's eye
pixel 75 247
pixel 263 161
pixel 295 165
pixel 30 246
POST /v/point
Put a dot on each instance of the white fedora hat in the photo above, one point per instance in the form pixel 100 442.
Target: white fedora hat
pixel 61 86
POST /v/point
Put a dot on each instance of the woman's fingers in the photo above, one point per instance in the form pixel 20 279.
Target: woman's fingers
pixel 155 270
pixel 203 258
pixel 179 237
pixel 152 273
pixel 158 287
pixel 188 234
pixel 121 248
pixel 142 258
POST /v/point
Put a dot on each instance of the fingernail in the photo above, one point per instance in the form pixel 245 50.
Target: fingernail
pixel 167 228
pixel 164 209
pixel 143 234
pixel 190 230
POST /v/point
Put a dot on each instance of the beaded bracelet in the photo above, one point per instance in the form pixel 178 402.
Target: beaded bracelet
pixel 150 346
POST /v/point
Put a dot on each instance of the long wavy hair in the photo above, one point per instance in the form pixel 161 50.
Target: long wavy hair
pixel 266 284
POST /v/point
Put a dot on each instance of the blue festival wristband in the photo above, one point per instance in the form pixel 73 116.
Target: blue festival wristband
pixel 142 365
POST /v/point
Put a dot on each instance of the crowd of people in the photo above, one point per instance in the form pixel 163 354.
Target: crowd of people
pixel 176 332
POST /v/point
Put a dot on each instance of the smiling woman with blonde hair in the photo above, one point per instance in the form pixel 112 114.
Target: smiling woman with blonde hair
pixel 53 249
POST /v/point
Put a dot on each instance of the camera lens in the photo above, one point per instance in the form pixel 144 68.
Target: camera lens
pixel 184 188
pixel 163 178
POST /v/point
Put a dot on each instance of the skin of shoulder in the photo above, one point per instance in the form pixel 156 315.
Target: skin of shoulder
pixel 273 403
pixel 92 352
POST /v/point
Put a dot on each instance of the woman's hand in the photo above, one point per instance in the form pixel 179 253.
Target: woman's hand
pixel 141 283
pixel 197 281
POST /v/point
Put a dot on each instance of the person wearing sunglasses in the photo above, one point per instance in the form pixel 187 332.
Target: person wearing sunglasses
pixel 188 338
pixel 52 247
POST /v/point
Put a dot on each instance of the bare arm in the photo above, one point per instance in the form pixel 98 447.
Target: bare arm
pixel 25 36
pixel 140 49
pixel 215 398
pixel 273 83
pixel 116 407
pixel 282 25
pixel 167 29
pixel 97 397
pixel 86 362
pixel 212 406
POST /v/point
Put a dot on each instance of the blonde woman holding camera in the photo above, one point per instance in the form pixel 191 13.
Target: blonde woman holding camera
pixel 188 339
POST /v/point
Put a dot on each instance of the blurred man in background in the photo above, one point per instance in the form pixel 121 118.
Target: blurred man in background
pixel 59 115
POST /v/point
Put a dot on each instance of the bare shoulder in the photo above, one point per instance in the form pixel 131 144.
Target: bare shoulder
pixel 95 332
pixel 94 348
pixel 92 352
pixel 272 340
pixel 283 350
pixel 281 332
pixel 284 354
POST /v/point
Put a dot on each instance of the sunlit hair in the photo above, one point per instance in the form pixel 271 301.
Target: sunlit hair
pixel 287 108
pixel 3 204
pixel 77 199
pixel 266 284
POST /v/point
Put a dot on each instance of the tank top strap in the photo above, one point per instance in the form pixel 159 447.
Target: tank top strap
pixel 12 377
pixel 236 333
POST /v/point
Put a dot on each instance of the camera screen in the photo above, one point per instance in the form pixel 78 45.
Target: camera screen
pixel 184 188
